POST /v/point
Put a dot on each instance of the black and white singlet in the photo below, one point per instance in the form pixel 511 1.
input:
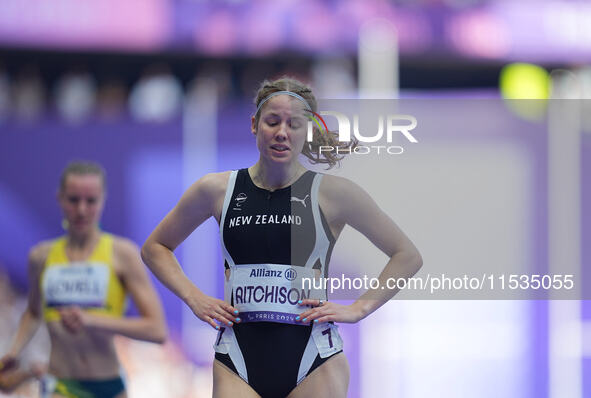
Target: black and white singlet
pixel 271 240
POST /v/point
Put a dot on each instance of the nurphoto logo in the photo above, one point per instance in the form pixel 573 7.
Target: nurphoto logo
pixel 390 125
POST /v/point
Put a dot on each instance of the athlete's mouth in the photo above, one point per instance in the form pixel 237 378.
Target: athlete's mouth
pixel 280 148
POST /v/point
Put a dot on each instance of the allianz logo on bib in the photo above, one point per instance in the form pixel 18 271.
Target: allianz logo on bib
pixel 290 274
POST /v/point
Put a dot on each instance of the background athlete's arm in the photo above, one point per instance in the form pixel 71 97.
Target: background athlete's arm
pixel 197 204
pixel 150 325
pixel 11 379
pixel 31 318
pixel 356 208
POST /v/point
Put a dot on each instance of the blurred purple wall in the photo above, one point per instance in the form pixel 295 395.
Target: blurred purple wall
pixel 492 30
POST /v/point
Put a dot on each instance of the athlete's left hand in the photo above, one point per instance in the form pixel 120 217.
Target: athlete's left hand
pixel 74 319
pixel 327 311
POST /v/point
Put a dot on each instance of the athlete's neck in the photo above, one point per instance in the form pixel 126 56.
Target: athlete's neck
pixel 273 177
pixel 82 241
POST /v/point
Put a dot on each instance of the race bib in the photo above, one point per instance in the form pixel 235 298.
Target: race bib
pixel 270 292
pixel 327 339
pixel 83 285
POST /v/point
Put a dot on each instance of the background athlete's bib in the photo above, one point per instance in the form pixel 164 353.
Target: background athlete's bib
pixel 81 284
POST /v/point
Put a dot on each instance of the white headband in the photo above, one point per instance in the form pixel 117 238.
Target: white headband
pixel 292 94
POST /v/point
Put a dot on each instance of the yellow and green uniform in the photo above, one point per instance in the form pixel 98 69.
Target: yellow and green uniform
pixel 69 388
pixel 91 284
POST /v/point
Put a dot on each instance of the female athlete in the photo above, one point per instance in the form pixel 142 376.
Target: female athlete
pixel 278 224
pixel 78 286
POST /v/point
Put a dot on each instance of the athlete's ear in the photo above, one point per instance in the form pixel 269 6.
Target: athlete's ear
pixel 253 127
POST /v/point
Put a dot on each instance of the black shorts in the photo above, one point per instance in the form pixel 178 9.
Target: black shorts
pixel 273 358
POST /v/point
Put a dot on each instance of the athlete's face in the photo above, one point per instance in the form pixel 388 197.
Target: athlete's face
pixel 281 130
pixel 82 202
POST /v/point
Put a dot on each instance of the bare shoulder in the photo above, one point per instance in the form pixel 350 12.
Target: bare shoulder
pixel 338 189
pixel 212 188
pixel 38 254
pixel 334 197
pixel 330 183
pixel 124 247
pixel 126 256
pixel 215 183
pixel 346 200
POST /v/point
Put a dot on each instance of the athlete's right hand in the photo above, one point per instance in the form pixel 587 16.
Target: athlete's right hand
pixel 210 309
pixel 8 362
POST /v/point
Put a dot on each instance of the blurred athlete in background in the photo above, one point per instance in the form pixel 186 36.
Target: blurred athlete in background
pixel 78 286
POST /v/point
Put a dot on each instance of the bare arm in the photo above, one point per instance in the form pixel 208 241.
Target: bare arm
pixel 199 202
pixel 150 325
pixel 363 214
pixel 31 318
pixel 354 207
pixel 11 379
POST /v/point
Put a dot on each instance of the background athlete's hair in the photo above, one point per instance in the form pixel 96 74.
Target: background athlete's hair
pixel 79 167
pixel 320 138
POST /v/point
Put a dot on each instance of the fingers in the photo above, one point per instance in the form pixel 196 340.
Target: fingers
pixel 211 322
pixel 218 312
pixel 8 362
pixel 71 326
pixel 312 302
pixel 324 319
pixel 71 319
pixel 223 317
pixel 218 319
pixel 226 314
pixel 312 315
pixel 321 312
pixel 231 311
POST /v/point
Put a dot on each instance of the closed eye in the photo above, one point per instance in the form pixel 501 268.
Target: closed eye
pixel 296 123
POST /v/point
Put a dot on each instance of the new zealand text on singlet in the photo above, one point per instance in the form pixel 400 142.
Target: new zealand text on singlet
pixel 262 219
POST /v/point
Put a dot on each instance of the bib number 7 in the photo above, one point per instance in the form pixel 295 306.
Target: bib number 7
pixel 220 333
pixel 327 332
pixel 327 339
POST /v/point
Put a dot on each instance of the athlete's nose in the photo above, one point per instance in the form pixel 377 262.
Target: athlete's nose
pixel 281 134
pixel 81 208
